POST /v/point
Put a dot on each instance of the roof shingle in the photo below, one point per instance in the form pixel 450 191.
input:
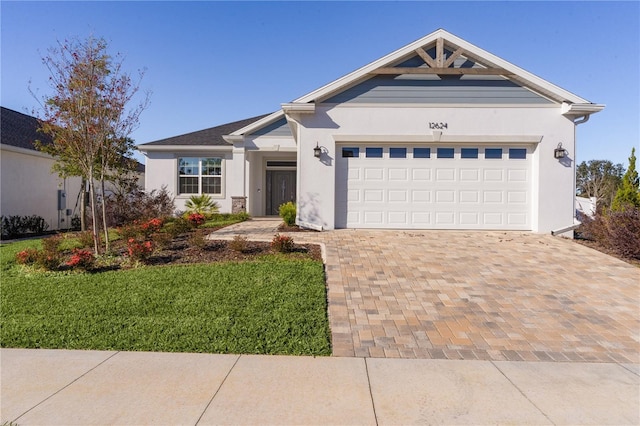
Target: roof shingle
pixel 20 130
pixel 207 137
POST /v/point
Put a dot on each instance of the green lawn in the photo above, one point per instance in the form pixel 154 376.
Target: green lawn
pixel 269 306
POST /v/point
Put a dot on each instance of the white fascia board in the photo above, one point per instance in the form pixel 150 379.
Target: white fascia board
pixel 455 139
pixel 258 124
pixel 524 77
pixel 581 109
pixel 184 148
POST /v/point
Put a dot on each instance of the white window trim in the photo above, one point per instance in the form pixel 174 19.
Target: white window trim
pixel 221 195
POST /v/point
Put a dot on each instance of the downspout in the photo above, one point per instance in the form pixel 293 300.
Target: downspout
pixel 576 222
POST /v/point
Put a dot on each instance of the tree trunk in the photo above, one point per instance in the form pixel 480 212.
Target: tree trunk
pixel 104 216
pixel 83 205
pixel 94 214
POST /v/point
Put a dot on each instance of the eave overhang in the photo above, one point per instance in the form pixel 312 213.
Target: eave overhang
pixel 580 109
pixel 183 148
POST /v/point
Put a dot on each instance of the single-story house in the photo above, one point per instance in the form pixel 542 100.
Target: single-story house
pixel 28 186
pixel 438 134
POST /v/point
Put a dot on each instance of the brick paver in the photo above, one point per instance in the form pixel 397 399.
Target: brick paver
pixel 473 295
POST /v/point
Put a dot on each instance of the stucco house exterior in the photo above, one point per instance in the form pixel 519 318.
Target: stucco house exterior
pixel 28 186
pixel 438 134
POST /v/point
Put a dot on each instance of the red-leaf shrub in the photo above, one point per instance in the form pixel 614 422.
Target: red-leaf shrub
pixel 151 226
pixel 139 250
pixel 27 257
pixel 196 219
pixel 282 243
pixel 82 259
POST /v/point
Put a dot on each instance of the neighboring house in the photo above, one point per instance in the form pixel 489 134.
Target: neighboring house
pixel 439 134
pixel 28 186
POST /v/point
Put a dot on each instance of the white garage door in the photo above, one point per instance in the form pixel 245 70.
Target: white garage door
pixel 433 187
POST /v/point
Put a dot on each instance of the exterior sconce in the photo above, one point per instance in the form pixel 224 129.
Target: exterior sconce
pixel 317 151
pixel 560 152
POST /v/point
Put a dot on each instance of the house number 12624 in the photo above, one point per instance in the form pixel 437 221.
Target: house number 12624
pixel 438 126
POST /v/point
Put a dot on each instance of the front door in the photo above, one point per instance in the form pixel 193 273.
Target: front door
pixel 281 188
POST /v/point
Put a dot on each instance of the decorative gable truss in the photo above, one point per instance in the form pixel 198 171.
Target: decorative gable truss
pixel 443 60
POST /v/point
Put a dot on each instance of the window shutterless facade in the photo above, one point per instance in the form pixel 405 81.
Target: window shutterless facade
pixel 200 175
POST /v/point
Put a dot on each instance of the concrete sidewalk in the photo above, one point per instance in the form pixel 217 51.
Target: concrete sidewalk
pixel 126 388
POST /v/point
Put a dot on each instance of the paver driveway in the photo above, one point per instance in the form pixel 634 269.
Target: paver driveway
pixel 473 295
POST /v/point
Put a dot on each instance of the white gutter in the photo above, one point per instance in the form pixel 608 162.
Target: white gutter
pixel 298 108
pixel 184 148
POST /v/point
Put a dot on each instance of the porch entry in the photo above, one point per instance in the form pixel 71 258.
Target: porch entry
pixel 281 188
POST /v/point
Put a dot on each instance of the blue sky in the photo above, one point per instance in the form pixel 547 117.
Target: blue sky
pixel 209 63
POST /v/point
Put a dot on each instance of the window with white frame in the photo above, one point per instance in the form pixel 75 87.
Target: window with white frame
pixel 200 175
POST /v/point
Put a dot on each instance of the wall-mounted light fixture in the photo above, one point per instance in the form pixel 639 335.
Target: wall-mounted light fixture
pixel 317 151
pixel 560 152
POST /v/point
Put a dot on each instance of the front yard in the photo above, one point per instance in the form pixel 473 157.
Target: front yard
pixel 275 304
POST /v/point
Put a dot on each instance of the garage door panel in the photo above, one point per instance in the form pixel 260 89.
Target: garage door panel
pixel 469 197
pixel 421 174
pixel 493 197
pixel 469 218
pixel 373 174
pixel 398 174
pixel 398 218
pixel 433 193
pixel 396 196
pixel 420 196
pixel 445 175
pixel 373 195
pixel 469 175
pixel 494 175
pixel 446 196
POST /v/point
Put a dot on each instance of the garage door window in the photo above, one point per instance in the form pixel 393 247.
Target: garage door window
pixel 445 152
pixel 421 152
pixel 493 153
pixel 374 152
pixel 397 152
pixel 517 153
pixel 350 152
pixel 469 153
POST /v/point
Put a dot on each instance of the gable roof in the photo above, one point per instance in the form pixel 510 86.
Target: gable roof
pixel 453 43
pixel 20 130
pixel 207 137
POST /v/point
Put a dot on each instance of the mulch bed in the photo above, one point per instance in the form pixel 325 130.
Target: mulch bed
pixel 293 228
pixel 182 250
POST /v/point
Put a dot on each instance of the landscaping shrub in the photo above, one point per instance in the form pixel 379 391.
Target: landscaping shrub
pixel 618 231
pixel 27 257
pixel 85 239
pixel 239 243
pixel 282 243
pixel 162 239
pixel 177 226
pixel 82 259
pixel 123 208
pixel 151 226
pixel 196 219
pixel 50 256
pixel 287 212
pixel 18 226
pixel 139 251
pixel 202 204
pixel 197 238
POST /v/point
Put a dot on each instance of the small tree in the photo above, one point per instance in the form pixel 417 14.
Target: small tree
pixel 599 179
pixel 87 115
pixel 628 194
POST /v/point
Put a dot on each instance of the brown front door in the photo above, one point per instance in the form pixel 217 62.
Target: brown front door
pixel 281 188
